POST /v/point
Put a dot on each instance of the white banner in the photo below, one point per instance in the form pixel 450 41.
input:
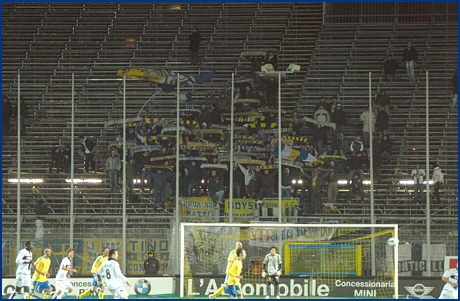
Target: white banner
pixel 405 255
pixel 139 286
pixel 266 237
pixel 412 261
pixel 437 254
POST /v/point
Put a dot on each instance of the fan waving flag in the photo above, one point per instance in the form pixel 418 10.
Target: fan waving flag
pixel 204 77
pixel 287 152
pixel 166 80
pixel 305 156
pixel 290 154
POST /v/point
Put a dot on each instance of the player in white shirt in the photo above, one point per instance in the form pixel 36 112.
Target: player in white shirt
pixel 24 263
pixel 449 290
pixel 456 291
pixel 110 270
pixel 63 285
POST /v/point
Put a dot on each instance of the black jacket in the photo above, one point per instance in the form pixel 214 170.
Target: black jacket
pixel 410 54
pixel 215 186
pixel 195 40
pixel 272 60
pixel 160 180
pixel 286 179
pixel 151 266
pixel 24 110
pixel 390 66
pixel 42 209
pixel 194 173
pixel 339 117
pixel 89 144
pixel 383 100
pixel 7 109
pixel 56 158
pixel 315 184
pixel 382 120
pixel 270 180
pixel 356 162
pixel 385 146
pixel 455 83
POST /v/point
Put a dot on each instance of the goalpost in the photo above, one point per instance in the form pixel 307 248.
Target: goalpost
pixel 319 260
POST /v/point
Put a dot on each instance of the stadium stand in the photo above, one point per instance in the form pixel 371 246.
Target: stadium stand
pixel 49 42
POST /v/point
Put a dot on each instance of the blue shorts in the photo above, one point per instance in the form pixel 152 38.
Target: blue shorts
pixel 234 291
pixel 99 281
pixel 41 286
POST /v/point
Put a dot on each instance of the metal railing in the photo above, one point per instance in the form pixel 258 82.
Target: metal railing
pixel 391 12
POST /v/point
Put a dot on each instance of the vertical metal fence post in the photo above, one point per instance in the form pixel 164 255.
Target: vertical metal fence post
pixel 177 215
pixel 428 216
pixel 18 171
pixel 280 136
pixel 230 201
pixel 371 173
pixel 72 135
pixel 124 217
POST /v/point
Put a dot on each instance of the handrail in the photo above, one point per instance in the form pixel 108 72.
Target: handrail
pixel 396 12
pixel 335 20
pixel 393 16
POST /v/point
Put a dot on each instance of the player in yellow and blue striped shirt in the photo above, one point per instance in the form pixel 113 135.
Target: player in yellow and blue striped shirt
pixel 231 256
pixel 234 275
pixel 97 280
pixel 40 278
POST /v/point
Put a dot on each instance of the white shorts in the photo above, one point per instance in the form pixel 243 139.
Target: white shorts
pixel 22 280
pixel 63 285
pixel 447 294
pixel 120 292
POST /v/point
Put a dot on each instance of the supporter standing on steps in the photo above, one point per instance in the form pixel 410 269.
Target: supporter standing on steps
pixel 454 102
pixel 113 167
pixel 438 180
pixel 409 58
pixel 7 111
pixel 367 117
pixel 418 174
pixel 87 148
pixel 389 68
pixel 194 45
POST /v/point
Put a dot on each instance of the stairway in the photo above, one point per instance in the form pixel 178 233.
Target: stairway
pixel 297 47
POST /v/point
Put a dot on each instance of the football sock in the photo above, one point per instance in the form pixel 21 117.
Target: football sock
pixel 218 292
pixel 101 294
pixel 85 294
pixel 62 295
pixel 13 294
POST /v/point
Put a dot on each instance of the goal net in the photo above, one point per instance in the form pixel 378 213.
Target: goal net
pixel 318 260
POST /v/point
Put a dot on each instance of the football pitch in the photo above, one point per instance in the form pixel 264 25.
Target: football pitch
pixel 172 296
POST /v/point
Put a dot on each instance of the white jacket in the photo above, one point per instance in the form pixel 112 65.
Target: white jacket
pixel 322 116
pixel 361 146
pixel 365 118
pixel 438 176
pixel 420 174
